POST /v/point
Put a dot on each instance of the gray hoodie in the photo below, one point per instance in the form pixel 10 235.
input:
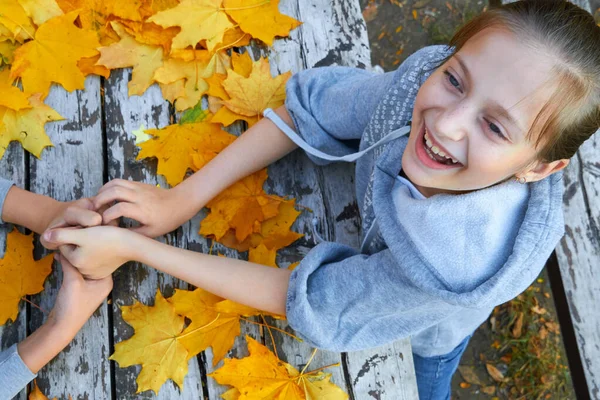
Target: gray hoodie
pixel 432 269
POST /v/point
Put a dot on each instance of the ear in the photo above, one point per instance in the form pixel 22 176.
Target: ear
pixel 541 170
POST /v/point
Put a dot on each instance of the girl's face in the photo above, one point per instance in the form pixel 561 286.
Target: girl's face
pixel 475 112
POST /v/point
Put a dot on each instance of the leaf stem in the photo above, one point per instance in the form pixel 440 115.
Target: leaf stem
pixel 245 8
pixel 309 361
pixel 197 329
pixel 33 304
pixel 272 327
pixel 270 334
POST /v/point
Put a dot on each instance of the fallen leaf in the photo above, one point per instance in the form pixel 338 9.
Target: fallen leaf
pixel 144 59
pixel 7 50
pixel 15 19
pixel 88 66
pixel 518 326
pixel 195 114
pixel 469 375
pixel 261 19
pixel 151 34
pixel 140 135
pixel 465 385
pixel 41 11
pixel 262 255
pixel 53 55
pixel 154 344
pixel 27 126
pixel 543 333
pixel 176 145
pixel 538 310
pixel 553 327
pixel 12 97
pixel 36 393
pixel 494 373
pixel 198 19
pixel 262 375
pixel 20 274
pixel 489 390
pixel 252 95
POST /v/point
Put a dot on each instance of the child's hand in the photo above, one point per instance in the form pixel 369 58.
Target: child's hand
pixel 77 300
pixel 97 251
pixel 74 213
pixel 156 209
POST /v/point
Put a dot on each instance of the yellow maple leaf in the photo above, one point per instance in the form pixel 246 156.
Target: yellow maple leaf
pixel 36 393
pixel 15 20
pixel 88 66
pixel 261 19
pixel 20 274
pixel 151 7
pixel 243 204
pixel 150 33
pixel 41 11
pixel 175 146
pixel 7 50
pixel 198 19
pixel 27 126
pixel 191 65
pixel 53 55
pixel 144 59
pixel 262 255
pixel 263 376
pixel 154 344
pixel 250 96
pixel 12 97
pixel 234 37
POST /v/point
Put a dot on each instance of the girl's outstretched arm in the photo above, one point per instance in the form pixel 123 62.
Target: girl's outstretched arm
pixel 258 286
pixel 255 149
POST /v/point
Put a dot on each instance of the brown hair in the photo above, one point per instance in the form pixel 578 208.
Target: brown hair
pixel 570 36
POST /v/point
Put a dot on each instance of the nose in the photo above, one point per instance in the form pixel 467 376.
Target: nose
pixel 454 122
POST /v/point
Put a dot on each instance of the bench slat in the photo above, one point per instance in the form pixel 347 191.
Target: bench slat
pixel 71 170
pixel 134 281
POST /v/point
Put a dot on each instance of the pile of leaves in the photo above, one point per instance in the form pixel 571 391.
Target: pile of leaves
pixel 526 358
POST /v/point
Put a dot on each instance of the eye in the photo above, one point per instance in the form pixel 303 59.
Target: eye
pixel 495 130
pixel 453 81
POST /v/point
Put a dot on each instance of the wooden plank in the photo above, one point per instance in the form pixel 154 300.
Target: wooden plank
pixel 72 170
pixel 12 167
pixel 579 251
pixel 135 281
pixel 333 33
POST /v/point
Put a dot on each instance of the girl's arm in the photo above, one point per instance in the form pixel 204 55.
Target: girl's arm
pixel 38 213
pixel 251 284
pixel 255 149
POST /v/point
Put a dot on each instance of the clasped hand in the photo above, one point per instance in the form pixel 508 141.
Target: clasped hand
pixel 98 249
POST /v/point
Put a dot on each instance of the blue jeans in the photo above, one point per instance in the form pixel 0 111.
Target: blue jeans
pixel 434 374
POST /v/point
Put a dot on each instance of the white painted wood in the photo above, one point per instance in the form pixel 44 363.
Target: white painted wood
pixel 579 251
pixel 384 373
pixel 69 171
pixel 134 281
pixel 12 167
pixel 335 34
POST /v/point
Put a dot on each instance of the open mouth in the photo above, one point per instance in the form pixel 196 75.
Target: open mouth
pixel 432 155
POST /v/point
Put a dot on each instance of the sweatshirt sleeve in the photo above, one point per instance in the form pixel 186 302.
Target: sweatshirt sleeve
pixel 341 300
pixel 5 186
pixel 14 374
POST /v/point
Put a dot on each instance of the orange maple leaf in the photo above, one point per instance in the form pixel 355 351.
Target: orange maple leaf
pixel 20 274
pixel 262 375
pixel 242 205
pixel 261 19
pixel 176 145
pixel 53 55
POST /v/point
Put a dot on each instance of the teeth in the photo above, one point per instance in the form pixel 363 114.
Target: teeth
pixel 435 149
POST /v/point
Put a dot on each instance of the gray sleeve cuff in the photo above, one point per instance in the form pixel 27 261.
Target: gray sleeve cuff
pixel 5 186
pixel 14 374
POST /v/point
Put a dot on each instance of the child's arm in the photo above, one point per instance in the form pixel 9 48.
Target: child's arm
pixel 38 213
pixel 77 300
pixel 258 147
pixel 255 285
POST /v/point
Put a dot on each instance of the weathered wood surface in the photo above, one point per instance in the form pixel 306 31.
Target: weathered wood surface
pixel 579 251
pixel 95 145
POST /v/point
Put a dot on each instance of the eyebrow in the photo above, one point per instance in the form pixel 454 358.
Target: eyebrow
pixel 496 107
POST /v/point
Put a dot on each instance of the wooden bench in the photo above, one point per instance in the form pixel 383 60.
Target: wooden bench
pixel 578 253
pixel 95 145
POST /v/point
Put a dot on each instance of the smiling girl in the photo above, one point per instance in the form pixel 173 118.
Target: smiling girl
pixel 458 180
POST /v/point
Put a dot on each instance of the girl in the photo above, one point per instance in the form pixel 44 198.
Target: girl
pixel 460 208
pixel 77 299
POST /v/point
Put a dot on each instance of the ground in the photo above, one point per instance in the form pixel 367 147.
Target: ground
pixel 530 352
